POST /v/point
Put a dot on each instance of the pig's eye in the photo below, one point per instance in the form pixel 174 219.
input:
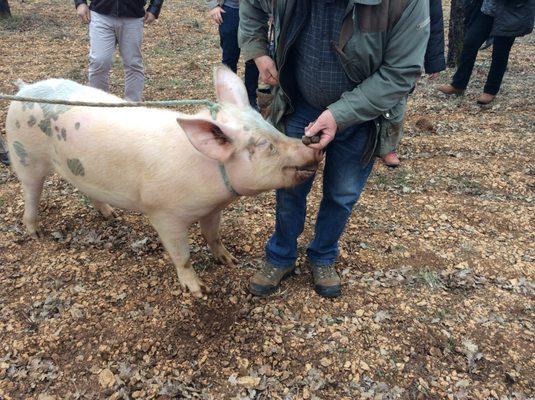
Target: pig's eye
pixel 261 143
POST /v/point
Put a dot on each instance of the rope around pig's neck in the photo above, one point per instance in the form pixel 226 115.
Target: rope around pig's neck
pixel 213 107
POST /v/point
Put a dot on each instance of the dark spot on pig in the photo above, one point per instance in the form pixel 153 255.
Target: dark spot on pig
pixel 17 124
pixel 32 121
pixel 59 137
pixel 77 125
pixel 56 128
pixel 76 167
pixel 21 152
pixel 64 134
pixel 45 127
pixel 246 128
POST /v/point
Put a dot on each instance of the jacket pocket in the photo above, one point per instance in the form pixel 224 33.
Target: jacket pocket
pixel 391 128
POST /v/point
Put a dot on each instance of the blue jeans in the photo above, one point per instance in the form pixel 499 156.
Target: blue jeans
pixel 228 38
pixel 344 177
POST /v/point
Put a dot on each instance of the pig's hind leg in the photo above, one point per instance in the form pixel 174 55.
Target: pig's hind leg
pixel 174 237
pixel 210 231
pixel 32 175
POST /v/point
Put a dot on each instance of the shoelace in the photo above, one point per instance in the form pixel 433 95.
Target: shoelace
pixel 326 272
pixel 269 271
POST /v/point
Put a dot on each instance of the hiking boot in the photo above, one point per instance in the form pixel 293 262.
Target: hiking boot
pixel 268 279
pixel 326 280
pixel 448 89
pixel 391 159
pixel 485 98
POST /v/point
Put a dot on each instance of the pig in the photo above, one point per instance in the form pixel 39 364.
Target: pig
pixel 175 168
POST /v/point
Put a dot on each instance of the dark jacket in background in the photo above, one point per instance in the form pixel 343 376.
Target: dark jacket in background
pixel 434 55
pixel 123 8
pixel 513 18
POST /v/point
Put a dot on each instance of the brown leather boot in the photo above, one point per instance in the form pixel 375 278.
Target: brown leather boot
pixel 267 280
pixel 485 98
pixel 448 89
pixel 326 280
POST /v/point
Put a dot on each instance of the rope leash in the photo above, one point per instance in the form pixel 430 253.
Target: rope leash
pixel 213 107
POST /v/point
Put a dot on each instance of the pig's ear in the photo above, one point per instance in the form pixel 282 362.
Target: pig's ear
pixel 207 137
pixel 229 87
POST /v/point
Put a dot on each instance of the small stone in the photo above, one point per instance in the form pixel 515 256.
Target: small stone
pixel 44 396
pixel 106 379
pixel 325 362
pixel 359 313
pixel 364 366
pixel 248 381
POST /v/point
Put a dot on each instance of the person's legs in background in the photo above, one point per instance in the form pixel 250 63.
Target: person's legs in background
pixel 130 38
pixel 102 39
pixel 478 31
pixel 500 57
pixel 228 37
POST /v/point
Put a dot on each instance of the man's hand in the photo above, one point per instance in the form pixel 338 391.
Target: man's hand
pixel 83 12
pixel 325 126
pixel 149 18
pixel 216 14
pixel 268 70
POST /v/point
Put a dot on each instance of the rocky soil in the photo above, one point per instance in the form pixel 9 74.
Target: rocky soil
pixel 437 260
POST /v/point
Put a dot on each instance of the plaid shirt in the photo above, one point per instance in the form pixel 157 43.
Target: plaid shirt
pixel 319 75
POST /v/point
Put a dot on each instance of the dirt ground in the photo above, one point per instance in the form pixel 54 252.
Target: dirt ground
pixel 437 260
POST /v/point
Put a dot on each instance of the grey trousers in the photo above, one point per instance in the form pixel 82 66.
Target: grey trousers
pixel 105 33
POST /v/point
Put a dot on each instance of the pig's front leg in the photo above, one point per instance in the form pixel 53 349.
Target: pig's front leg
pixel 174 237
pixel 210 231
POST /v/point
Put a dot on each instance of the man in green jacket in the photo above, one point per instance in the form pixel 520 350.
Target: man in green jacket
pixel 340 69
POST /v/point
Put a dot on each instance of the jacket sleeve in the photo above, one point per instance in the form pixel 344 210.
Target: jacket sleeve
pixel 253 28
pixel 155 7
pixel 402 65
pixel 211 4
pixel 434 55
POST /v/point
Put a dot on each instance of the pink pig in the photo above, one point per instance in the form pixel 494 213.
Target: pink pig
pixel 175 168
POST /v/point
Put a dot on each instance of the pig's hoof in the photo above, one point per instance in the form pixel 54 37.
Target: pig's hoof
pixel 36 235
pixel 105 210
pixel 205 288
pixel 109 213
pixel 226 258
